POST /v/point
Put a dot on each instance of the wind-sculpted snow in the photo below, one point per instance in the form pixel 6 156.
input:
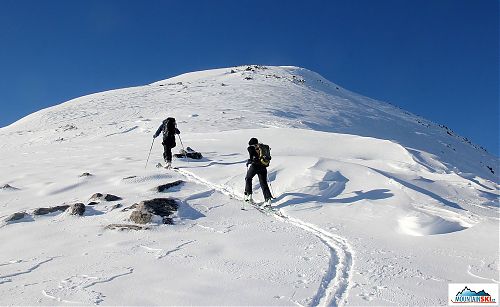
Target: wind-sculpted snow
pixel 377 206
pixel 274 97
pixel 334 286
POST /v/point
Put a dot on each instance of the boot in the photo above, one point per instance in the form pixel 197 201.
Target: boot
pixel 248 198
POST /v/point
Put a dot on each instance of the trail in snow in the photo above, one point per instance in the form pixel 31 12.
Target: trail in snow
pixel 5 278
pixel 334 287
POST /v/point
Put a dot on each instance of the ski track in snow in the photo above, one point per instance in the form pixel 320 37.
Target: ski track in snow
pixel 77 287
pixel 335 285
pixel 469 269
pixel 6 278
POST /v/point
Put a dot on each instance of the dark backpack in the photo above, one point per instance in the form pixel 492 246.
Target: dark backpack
pixel 263 153
pixel 169 126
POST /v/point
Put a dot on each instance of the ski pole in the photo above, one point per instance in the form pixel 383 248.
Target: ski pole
pixel 149 153
pixel 270 185
pixel 185 152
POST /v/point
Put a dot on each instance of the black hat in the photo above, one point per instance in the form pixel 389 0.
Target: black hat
pixel 253 141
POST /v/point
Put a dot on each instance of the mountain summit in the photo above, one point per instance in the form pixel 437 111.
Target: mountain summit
pixel 375 204
pixel 257 96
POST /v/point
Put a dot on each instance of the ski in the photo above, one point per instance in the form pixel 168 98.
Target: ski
pixel 267 210
pixel 159 165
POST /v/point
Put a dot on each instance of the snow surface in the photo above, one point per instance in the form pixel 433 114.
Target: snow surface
pixel 380 206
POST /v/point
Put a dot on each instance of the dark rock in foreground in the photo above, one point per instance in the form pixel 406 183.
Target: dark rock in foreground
pixel 8 187
pixel 43 211
pixel 77 209
pixel 141 217
pixel 169 185
pixel 117 206
pixel 105 197
pixel 147 209
pixel 189 153
pixel 16 216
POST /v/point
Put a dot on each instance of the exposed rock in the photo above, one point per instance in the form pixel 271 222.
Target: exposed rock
pixel 129 177
pixel 169 185
pixel 146 210
pixel 168 220
pixel 92 203
pixel 16 216
pixel 111 197
pixel 97 196
pixel 189 153
pixel 122 227
pixel 77 209
pixel 105 197
pixel 8 187
pixel 141 217
pixel 116 206
pixel 85 174
pixel 43 211
pixel 159 206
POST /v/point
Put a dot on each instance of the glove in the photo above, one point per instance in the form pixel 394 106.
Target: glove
pixel 248 162
pixel 154 136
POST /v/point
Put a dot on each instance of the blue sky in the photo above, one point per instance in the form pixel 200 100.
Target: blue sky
pixel 438 59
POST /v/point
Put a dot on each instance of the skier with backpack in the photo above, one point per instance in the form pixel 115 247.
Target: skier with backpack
pixel 260 157
pixel 169 129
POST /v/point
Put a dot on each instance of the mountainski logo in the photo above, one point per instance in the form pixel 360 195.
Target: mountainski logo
pixel 473 294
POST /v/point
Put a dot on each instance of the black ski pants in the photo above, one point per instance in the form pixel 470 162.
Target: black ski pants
pixel 260 171
pixel 167 153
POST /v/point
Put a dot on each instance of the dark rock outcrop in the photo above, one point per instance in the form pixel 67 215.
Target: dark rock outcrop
pixel 16 216
pixel 77 209
pixel 43 211
pixel 141 217
pixel 105 197
pixel 164 187
pixel 147 209
pixel 189 153
pixel 117 206
pixel 8 187
pixel 85 175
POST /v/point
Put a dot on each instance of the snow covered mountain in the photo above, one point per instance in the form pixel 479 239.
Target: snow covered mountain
pixel 378 206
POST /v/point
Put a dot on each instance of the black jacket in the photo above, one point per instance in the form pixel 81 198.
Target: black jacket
pixel 169 137
pixel 254 156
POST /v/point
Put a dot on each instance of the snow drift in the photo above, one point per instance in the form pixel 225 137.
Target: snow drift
pixel 378 205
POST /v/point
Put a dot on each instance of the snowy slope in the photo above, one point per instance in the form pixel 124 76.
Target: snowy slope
pixel 379 205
